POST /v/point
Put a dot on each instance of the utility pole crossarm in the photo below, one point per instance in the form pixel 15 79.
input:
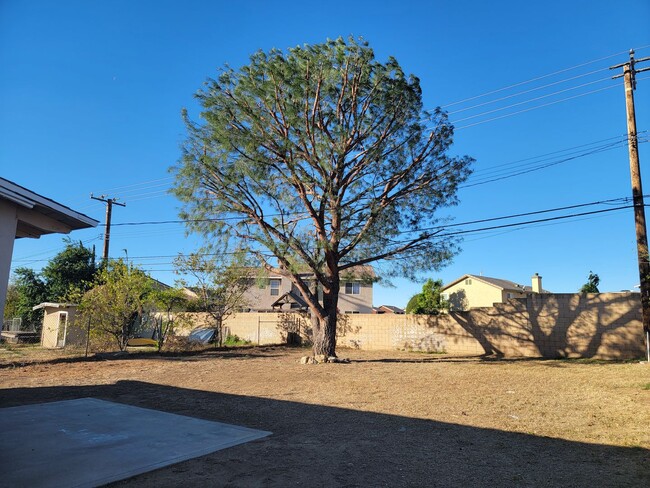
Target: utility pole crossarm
pixel 109 211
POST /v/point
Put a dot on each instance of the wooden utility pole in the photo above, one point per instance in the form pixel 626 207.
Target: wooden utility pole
pixel 109 210
pixel 629 77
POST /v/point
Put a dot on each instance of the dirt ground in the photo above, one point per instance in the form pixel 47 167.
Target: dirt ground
pixel 386 419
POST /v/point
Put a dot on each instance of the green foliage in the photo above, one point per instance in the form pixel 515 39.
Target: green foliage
pixel 429 301
pixel 117 304
pixel 323 158
pixel 220 284
pixel 235 341
pixel 66 277
pixel 28 290
pixel 592 284
pixel 11 302
pixel 167 304
pixel 71 270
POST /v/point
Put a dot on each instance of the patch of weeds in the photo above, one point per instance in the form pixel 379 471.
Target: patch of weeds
pixel 235 341
pixel 646 386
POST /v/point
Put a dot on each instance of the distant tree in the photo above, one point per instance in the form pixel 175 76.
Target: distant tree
pixel 118 302
pixel 221 285
pixel 429 301
pixel 591 286
pixel 167 303
pixel 66 277
pixel 321 159
pixel 71 269
pixel 11 302
pixel 28 290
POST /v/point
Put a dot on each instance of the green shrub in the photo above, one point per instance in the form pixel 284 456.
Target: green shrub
pixel 234 340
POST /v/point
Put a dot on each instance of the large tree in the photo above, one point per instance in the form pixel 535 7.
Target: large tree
pixel 321 158
pixel 72 270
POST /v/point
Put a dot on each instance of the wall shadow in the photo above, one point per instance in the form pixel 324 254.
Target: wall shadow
pixel 316 445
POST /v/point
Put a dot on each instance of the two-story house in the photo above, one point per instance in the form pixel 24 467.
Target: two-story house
pixel 471 291
pixel 274 292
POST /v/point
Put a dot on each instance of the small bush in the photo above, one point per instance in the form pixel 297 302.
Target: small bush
pixel 234 341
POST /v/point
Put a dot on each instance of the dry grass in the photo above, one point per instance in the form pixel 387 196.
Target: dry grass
pixel 386 419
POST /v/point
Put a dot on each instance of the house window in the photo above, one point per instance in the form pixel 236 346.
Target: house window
pixel 274 283
pixel 352 288
pixel 468 281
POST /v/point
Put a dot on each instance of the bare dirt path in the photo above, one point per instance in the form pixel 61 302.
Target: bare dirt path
pixel 385 419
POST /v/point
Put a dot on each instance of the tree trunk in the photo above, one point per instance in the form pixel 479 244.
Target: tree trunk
pixel 325 328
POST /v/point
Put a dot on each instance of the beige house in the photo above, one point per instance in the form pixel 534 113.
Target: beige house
pixel 59 327
pixel 472 291
pixel 273 292
pixel 277 293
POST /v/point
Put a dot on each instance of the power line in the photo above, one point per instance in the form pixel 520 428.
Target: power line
pixel 548 75
pixel 469 231
pixel 442 227
pixel 534 108
pixel 619 138
pixel 530 90
pixel 531 100
pixel 487 180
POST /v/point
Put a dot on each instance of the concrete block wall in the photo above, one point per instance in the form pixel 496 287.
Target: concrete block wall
pixel 604 325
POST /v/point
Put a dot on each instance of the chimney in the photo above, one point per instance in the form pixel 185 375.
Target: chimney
pixel 537 283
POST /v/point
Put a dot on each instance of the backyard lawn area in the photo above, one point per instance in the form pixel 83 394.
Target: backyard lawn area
pixel 385 419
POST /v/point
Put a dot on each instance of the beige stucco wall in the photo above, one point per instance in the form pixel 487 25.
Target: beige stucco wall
pixel 605 325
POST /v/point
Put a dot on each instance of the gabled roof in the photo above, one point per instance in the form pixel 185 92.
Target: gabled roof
pixel 388 309
pixel 496 282
pixel 289 297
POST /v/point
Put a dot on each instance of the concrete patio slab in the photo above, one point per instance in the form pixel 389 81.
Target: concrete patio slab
pixel 88 442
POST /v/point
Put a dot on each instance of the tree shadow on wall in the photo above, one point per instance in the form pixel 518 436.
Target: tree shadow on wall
pixel 558 326
pixel 581 328
pixel 296 329
pixel 331 446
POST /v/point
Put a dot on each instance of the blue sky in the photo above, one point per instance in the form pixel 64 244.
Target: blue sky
pixel 91 95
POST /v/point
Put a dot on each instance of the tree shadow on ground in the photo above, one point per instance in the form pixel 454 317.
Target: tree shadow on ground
pixel 314 445
pixel 244 352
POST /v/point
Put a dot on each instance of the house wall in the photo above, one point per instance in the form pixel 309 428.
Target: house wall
pixel 605 326
pixel 361 303
pixel 259 297
pixel 462 296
